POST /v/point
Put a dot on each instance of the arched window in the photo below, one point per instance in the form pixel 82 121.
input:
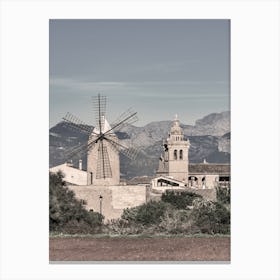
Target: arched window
pixel 175 154
pixel 181 154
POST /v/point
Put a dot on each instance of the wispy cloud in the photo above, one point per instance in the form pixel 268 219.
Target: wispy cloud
pixel 83 85
pixel 88 85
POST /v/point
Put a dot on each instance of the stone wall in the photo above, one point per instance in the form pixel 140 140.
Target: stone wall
pixel 114 198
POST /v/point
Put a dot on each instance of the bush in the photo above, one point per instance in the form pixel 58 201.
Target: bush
pixel 66 213
pixel 146 214
pixel 179 199
pixel 176 221
pixel 79 227
pixel 161 217
pixel 223 194
pixel 211 217
pixel 123 227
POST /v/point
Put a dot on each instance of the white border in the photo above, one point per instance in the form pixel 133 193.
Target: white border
pixel 255 137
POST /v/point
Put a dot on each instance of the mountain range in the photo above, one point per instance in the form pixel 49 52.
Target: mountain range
pixel 209 139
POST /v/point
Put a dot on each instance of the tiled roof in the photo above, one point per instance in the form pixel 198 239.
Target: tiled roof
pixel 209 168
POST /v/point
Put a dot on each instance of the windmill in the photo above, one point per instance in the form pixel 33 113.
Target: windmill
pixel 103 146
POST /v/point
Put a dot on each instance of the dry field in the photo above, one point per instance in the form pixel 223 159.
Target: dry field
pixel 140 249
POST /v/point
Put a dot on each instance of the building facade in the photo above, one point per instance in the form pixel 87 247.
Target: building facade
pixel 110 198
pixel 175 171
pixel 72 175
pixel 103 162
pixel 174 160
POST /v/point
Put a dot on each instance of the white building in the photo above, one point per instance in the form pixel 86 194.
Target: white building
pixel 73 175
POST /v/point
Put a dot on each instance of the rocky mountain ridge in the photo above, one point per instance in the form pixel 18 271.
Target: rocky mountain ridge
pixel 209 138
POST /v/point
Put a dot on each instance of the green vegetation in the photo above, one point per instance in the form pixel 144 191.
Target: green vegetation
pixel 211 217
pixel 179 199
pixel 201 217
pixel 223 194
pixel 146 214
pixel 178 213
pixel 110 236
pixel 66 213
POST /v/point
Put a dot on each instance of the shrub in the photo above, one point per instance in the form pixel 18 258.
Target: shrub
pixel 146 214
pixel 122 227
pixel 79 227
pixel 211 217
pixel 176 221
pixel 179 199
pixel 130 214
pixel 66 213
pixel 223 194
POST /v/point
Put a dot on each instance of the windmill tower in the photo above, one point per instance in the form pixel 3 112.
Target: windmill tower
pixel 103 159
pixel 103 146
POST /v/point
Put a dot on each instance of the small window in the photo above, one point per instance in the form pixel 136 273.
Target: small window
pixel 91 178
pixel 90 210
pixel 181 154
pixel 175 154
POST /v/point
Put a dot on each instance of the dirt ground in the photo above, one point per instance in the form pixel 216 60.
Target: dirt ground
pixel 140 249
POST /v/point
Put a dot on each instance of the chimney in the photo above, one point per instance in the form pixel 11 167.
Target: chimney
pixel 80 164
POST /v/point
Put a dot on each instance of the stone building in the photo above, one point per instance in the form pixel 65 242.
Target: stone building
pixel 175 171
pixel 72 175
pixel 104 171
pixel 99 186
pixel 208 175
pixel 107 196
pixel 174 160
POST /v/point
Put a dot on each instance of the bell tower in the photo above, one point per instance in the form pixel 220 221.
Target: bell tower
pixel 175 158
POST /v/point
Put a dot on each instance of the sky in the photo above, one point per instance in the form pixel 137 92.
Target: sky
pixel 158 67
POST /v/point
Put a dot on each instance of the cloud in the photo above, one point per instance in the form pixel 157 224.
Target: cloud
pixel 83 85
pixel 89 85
pixel 162 91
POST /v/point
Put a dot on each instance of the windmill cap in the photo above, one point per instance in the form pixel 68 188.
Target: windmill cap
pixel 105 126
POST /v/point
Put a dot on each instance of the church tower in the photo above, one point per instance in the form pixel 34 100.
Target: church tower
pixel 175 158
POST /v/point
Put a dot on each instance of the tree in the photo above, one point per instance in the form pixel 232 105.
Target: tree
pixel 66 213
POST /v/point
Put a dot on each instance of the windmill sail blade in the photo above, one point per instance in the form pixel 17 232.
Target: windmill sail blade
pixel 99 108
pixel 79 150
pixel 128 118
pixel 130 152
pixel 75 152
pixel 103 163
pixel 75 123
